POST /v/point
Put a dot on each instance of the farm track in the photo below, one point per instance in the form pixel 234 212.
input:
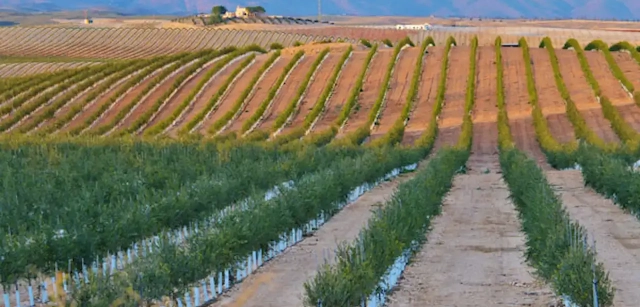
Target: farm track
pixel 583 96
pixel 617 234
pixel 397 91
pixel 280 281
pixel 316 86
pixel 287 92
pixel 233 93
pixel 261 90
pixel 450 120
pixel 420 116
pixel 519 110
pixel 478 225
pixel 344 86
pixel 371 86
pixel 550 101
pixel 485 111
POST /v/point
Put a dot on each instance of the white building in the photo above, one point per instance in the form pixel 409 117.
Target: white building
pixel 424 26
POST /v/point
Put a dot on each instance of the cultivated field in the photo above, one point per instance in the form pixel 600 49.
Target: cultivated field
pixel 214 167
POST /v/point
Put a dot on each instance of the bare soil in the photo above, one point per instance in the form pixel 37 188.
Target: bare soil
pixel 609 84
pixel 629 66
pixel 474 254
pixel 420 116
pixel 288 92
pixel 617 234
pixel 517 104
pixel 344 85
pixel 450 119
pixel 373 82
pixel 583 96
pixel 280 281
pixel 233 93
pixel 397 92
pixel 262 88
pixel 550 101
pixel 316 86
pixel 485 110
pixel 206 93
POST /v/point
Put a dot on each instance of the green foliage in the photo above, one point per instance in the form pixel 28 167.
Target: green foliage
pixel 387 42
pixel 466 135
pixel 613 65
pixel 221 122
pixel 555 245
pixel 248 124
pixel 256 9
pixel 505 141
pixel 365 43
pixel 397 228
pixel 218 10
pixel 276 46
pixel 297 44
pixel 353 96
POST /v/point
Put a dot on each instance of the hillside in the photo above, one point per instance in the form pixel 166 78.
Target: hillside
pixel 596 9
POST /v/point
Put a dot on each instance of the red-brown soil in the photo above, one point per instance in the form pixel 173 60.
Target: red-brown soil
pixel 373 82
pixel 420 116
pixel 253 102
pixel 397 92
pixel 450 119
pixel 485 110
pixel 517 104
pixel 629 66
pixel 610 86
pixel 583 96
pixel 205 94
pixel 288 92
pixel 550 101
pixel 344 86
pixel 317 85
pixel 233 93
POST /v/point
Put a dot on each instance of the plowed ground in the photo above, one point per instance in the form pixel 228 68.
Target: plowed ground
pixel 485 111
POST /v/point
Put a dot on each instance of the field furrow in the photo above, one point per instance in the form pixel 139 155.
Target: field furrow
pixel 426 98
pixel 397 92
pixel 517 104
pixel 344 85
pixel 316 86
pixel 616 233
pixel 485 110
pixel 287 92
pixel 551 103
pixel 478 225
pixel 611 87
pixel 583 96
pixel 234 92
pixel 260 92
pixel 450 120
pixel 370 89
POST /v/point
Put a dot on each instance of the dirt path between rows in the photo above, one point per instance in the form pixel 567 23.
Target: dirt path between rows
pixel 550 101
pixel 516 96
pixel 629 66
pixel 279 283
pixel 397 92
pixel 450 120
pixel 288 92
pixel 262 88
pixel 474 256
pixel 344 85
pixel 373 82
pixel 208 91
pixel 420 116
pixel 583 96
pixel 609 84
pixel 617 233
pixel 485 110
pixel 233 93
pixel 317 85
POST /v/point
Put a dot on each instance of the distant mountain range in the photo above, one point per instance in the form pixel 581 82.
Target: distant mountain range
pixel 592 9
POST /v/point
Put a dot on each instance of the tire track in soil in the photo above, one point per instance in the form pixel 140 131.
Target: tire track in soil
pixel 316 87
pixel 550 101
pixel 517 105
pixel 420 116
pixel 279 283
pixel 583 96
pixel 205 94
pixel 252 103
pixel 344 86
pixel 478 225
pixel 397 91
pixel 373 82
pixel 485 110
pixel 450 119
pixel 233 93
pixel 288 91
pixel 617 234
